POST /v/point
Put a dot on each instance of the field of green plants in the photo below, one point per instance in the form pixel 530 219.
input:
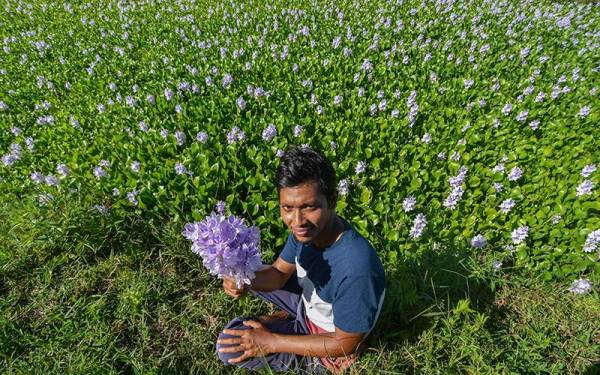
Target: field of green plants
pixel 464 136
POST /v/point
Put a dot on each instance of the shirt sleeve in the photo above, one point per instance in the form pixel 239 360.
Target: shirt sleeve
pixel 289 250
pixel 357 303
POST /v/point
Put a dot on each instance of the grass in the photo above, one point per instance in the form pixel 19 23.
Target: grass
pixel 81 293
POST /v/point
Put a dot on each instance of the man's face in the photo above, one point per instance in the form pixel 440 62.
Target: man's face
pixel 304 210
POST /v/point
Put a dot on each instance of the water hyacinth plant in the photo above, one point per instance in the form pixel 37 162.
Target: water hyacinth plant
pixel 227 246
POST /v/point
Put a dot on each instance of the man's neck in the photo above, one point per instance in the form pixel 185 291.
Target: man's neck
pixel 334 232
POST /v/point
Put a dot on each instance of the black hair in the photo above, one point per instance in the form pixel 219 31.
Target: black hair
pixel 303 164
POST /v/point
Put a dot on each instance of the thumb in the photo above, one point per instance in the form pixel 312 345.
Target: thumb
pixel 253 324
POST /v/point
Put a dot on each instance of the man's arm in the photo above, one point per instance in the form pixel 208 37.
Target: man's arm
pixel 271 278
pixel 259 341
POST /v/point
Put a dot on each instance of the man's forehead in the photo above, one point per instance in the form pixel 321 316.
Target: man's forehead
pixel 304 193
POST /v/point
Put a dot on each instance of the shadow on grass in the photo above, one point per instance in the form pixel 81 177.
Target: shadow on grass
pixel 418 293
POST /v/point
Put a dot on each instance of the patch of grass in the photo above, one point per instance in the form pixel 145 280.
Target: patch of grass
pixel 79 293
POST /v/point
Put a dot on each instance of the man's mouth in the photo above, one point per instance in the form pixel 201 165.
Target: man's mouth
pixel 301 232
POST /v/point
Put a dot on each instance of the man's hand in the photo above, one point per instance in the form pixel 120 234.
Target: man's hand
pixel 255 342
pixel 231 288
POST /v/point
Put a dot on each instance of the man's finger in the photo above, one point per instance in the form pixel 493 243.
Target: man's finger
pixel 232 349
pixel 241 358
pixel 253 324
pixel 230 341
pixel 235 332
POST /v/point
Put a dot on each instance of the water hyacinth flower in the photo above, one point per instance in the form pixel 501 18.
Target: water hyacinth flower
pixel 515 174
pixel 279 153
pixel 227 246
pixel 591 242
pixel 201 137
pixel 180 169
pixel 132 197
pixel 99 172
pixel 343 187
pixel 51 180
pixel 496 265
pixel 360 167
pixel 580 286
pixel 507 205
pixel 236 134
pixel 241 103
pixel 62 170
pixel 588 170
pixel 418 226
pixel 135 166
pixel 585 188
pixel 409 203
pixel 179 138
pixel 269 132
pixel 520 234
pixel 297 131
pixel 37 177
pixel 556 219
pixel 479 241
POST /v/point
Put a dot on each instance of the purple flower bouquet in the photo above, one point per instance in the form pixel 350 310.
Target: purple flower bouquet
pixel 227 246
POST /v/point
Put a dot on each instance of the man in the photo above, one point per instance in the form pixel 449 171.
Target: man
pixel 328 280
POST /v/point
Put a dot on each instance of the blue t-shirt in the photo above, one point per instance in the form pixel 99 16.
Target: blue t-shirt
pixel 343 285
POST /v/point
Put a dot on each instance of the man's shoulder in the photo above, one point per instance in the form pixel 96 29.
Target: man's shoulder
pixel 358 255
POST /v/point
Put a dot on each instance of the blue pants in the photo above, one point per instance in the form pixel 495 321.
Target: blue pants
pixel 289 300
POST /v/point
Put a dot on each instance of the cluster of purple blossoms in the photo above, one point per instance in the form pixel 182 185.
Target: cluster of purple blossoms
pixel 179 138
pixel 201 137
pixel 297 131
pixel 588 170
pixel 580 286
pixel 413 108
pixel 132 197
pixel 418 226
pixel 13 156
pixel 520 234
pixel 227 80
pixel 591 242
pixel 457 191
pixel 103 210
pixel 515 174
pixel 269 132
pixel 180 169
pixel 135 166
pixel 584 111
pixel 343 187
pixel 507 205
pixel 236 134
pixel 62 170
pixel 227 246
pixel 409 203
pixel 479 241
pixel 585 188
pixel 241 103
pixel 361 166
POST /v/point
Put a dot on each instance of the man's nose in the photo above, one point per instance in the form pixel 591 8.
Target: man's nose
pixel 298 218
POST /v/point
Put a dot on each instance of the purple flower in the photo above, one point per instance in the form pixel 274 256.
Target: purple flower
pixel 515 174
pixel 591 242
pixel 580 286
pixel 62 169
pixel 426 138
pixel 585 188
pixel 269 132
pixel 478 242
pixel 37 177
pixel 297 130
pixel 279 153
pixel 99 172
pixel 101 209
pixel 179 138
pixel 360 167
pixel 534 124
pixel 409 203
pixel 164 133
pixel 584 111
pixel 241 103
pixel 180 169
pixel 498 187
pixel 51 180
pixel 588 170
pixel 236 134
pixel 220 207
pixel 506 109
pixel 343 187
pixel 507 205
pixel 556 219
pixel 132 197
pixel 496 265
pixel 201 137
pixel 143 127
pixel 227 246
pixel 520 234
pixel 227 80
pixel 418 226
pixel 135 166
pixel 168 94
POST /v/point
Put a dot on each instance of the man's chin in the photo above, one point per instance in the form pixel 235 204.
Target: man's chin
pixel 303 239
